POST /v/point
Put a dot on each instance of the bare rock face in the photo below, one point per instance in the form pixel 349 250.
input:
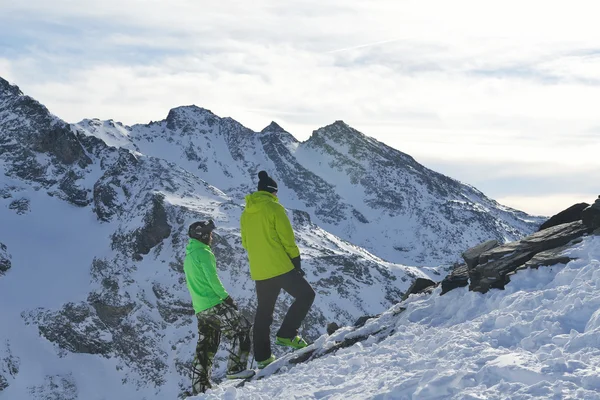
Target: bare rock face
pixel 549 257
pixel 28 129
pixel 155 229
pixel 591 215
pixel 420 285
pixel 20 206
pixel 9 366
pixel 459 277
pixel 5 263
pixel 571 214
pixel 55 387
pixel 471 256
pixel 495 264
pixel 76 328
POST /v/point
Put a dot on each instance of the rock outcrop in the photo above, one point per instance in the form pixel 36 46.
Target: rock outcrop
pixel 471 256
pixel 459 277
pixel 496 264
pixel 5 259
pixel 571 214
pixel 591 215
pixel 420 285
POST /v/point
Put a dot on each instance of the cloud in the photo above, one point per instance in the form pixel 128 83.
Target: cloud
pixel 482 90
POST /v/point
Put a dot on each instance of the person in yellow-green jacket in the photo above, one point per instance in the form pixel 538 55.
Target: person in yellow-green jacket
pixel 216 311
pixel 275 264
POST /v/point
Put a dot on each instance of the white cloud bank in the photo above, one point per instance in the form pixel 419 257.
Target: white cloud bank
pixel 462 85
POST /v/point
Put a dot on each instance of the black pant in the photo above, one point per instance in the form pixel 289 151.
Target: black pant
pixel 267 291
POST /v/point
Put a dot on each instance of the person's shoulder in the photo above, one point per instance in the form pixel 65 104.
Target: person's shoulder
pixel 204 252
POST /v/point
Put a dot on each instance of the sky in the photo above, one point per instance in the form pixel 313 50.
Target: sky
pixel 501 95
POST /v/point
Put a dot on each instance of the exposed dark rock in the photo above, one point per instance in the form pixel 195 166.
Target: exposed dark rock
pixel 420 285
pixel 172 309
pixel 363 320
pixel 28 130
pixel 348 341
pixel 110 308
pixel 9 367
pixel 74 194
pixel 273 127
pixel 56 387
pixel 495 264
pixel 189 119
pixel 156 227
pixel 332 327
pixel 76 328
pixel 21 206
pixel 471 256
pixel 571 214
pixel 59 141
pixel 107 201
pixel 42 131
pixel 550 257
pixel 5 257
pixel 6 192
pixel 459 277
pixel 591 215
pixel 301 218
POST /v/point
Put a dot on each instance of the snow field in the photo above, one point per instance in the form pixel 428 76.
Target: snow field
pixel 539 338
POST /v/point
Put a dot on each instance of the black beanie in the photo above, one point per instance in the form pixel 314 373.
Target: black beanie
pixel 266 183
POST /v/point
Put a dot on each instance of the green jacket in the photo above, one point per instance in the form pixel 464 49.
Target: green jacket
pixel 200 269
pixel 268 236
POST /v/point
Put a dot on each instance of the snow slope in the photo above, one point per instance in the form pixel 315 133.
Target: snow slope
pixel 539 338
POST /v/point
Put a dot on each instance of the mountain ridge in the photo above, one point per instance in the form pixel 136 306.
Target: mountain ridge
pixel 103 293
pixel 325 172
pixel 106 207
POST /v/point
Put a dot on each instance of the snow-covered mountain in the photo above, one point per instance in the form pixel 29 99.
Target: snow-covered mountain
pixel 352 185
pixel 93 219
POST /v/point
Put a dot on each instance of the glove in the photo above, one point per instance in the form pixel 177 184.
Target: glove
pixel 229 301
pixel 297 265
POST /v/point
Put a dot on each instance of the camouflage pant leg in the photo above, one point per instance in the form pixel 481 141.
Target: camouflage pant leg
pixel 209 336
pixel 211 323
pixel 236 328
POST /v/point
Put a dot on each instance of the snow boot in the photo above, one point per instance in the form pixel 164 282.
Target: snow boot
pixel 295 343
pixel 263 364
pixel 243 374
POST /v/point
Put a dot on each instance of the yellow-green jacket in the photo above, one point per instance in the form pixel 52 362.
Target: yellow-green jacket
pixel 268 236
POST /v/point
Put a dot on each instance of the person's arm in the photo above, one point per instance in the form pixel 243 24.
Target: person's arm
pixel 242 229
pixel 209 267
pixel 285 232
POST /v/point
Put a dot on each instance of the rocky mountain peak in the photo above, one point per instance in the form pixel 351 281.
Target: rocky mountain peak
pixel 7 89
pixel 337 132
pixel 274 132
pixel 273 127
pixel 187 118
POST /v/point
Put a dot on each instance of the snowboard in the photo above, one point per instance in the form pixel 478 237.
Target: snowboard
pixel 269 370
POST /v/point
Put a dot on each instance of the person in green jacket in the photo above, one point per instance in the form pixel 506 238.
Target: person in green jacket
pixel 216 311
pixel 274 257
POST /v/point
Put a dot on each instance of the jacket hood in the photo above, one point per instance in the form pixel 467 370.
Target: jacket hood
pixel 256 201
pixel 195 245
